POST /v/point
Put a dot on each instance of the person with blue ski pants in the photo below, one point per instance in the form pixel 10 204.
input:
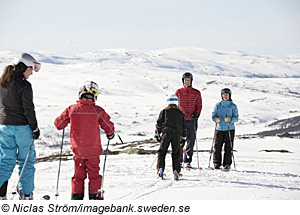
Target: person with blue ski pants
pixel 18 124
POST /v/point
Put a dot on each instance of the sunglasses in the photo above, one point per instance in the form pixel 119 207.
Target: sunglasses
pixel 225 91
pixel 187 76
pixel 93 91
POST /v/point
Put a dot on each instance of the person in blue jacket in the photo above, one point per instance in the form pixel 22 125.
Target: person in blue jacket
pixel 225 114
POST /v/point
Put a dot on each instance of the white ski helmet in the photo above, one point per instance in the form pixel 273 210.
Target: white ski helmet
pixel 28 60
pixel 172 100
pixel 89 90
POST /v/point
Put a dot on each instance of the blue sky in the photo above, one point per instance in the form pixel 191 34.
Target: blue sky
pixel 74 26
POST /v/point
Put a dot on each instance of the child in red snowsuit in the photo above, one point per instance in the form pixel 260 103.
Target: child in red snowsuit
pixel 85 118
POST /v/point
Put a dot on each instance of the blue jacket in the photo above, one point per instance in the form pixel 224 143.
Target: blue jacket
pixel 222 109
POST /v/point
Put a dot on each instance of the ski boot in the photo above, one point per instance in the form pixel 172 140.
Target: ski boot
pixel 176 175
pixel 160 173
pixel 226 168
pixel 3 198
pixel 188 166
pixel 22 196
pixel 217 166
pixel 26 197
pixel 77 196
pixel 95 196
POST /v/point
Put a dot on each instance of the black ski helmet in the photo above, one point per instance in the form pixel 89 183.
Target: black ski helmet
pixel 187 75
pixel 227 91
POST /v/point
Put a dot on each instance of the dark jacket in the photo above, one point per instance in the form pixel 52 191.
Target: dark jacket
pixel 16 103
pixel 171 120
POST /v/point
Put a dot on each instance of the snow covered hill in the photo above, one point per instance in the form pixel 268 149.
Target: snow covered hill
pixel 134 85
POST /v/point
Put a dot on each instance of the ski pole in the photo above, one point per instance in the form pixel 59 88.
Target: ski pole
pixel 187 156
pixel 231 145
pixel 153 161
pixel 197 146
pixel 61 148
pixel 211 150
pixel 119 137
pixel 102 180
pixel 23 168
pixel 158 140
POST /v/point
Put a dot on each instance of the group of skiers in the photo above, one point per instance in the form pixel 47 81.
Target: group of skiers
pixel 177 124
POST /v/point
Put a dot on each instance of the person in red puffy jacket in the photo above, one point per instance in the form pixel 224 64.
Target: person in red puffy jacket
pixel 85 118
pixel 190 102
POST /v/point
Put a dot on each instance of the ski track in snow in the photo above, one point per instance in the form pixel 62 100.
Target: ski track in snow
pixel 259 175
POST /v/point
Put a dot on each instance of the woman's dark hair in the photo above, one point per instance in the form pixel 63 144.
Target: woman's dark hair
pixel 6 76
pixel 9 71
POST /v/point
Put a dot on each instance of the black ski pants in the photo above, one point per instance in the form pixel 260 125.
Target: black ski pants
pixel 174 139
pixel 190 142
pixel 222 137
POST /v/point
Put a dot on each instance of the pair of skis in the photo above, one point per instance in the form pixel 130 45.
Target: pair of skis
pixel 222 169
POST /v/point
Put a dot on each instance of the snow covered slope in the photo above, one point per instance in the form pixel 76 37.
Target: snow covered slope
pixel 134 86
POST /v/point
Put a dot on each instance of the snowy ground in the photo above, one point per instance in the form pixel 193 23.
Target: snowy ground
pixel 134 86
pixel 259 175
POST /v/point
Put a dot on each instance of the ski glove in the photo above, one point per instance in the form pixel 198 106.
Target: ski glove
pixel 157 137
pixel 182 141
pixel 195 117
pixel 217 119
pixel 227 119
pixel 36 133
pixel 110 136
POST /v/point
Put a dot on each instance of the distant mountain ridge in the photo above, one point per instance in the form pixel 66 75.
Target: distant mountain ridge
pixel 197 60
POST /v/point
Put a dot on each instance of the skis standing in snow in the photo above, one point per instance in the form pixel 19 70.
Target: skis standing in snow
pixel 225 114
pixel 85 118
pixel 18 125
pixel 170 128
pixel 190 102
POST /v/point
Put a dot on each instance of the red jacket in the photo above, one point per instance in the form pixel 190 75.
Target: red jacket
pixel 85 118
pixel 190 101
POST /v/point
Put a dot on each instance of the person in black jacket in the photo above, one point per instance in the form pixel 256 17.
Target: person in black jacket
pixel 18 124
pixel 170 128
